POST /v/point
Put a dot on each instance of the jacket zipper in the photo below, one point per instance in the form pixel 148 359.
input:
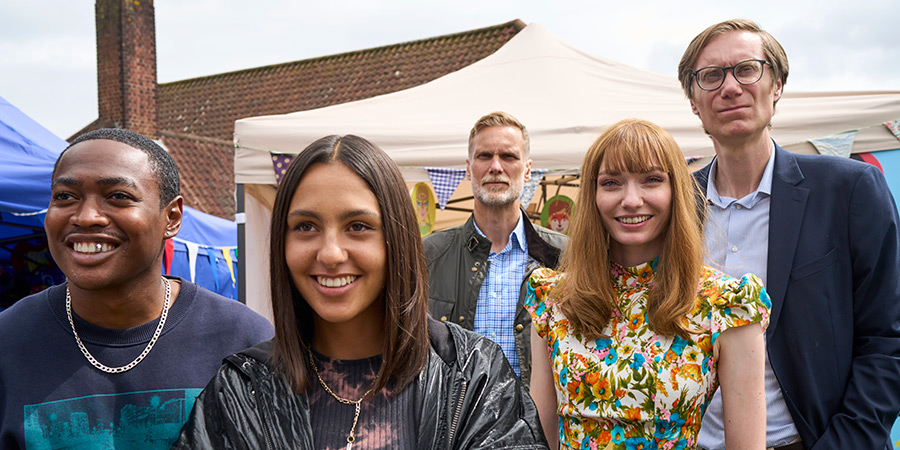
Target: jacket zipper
pixel 461 397
pixel 265 424
pixel 262 412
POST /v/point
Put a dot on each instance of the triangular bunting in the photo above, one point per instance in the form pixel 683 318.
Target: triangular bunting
pixel 280 163
pixel 227 254
pixel 192 250
pixel 445 182
pixel 168 254
pixel 211 255
pixel 838 144
pixel 894 126
pixel 868 158
pixel 537 175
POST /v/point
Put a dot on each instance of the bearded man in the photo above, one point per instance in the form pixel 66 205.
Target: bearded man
pixel 477 271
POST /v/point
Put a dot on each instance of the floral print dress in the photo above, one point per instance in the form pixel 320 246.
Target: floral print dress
pixel 637 389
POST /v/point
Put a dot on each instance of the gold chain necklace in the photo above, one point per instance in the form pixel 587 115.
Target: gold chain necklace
pixel 352 436
pixel 129 366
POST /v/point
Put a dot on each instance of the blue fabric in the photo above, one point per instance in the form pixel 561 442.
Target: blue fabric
pixel 495 314
pixel 834 280
pixel 215 273
pixel 212 234
pixel 208 230
pixel 27 154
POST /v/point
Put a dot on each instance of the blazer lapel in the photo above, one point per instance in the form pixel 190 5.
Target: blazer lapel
pixel 788 203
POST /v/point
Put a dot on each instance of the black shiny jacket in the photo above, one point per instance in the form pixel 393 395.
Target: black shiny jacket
pixel 457 260
pixel 467 398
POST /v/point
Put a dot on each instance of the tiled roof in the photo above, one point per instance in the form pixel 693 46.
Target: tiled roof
pixel 206 166
pixel 196 116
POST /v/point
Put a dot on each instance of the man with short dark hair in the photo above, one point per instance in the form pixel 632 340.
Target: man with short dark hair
pixel 115 357
pixel 821 231
pixel 477 271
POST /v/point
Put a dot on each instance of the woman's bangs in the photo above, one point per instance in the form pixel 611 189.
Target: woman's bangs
pixel 633 156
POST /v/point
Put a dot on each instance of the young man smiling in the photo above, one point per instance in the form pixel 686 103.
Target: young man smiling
pixel 116 356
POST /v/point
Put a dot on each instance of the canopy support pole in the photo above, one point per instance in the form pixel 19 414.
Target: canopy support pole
pixel 240 219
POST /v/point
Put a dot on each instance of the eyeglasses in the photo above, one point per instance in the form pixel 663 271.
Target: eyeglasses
pixel 745 72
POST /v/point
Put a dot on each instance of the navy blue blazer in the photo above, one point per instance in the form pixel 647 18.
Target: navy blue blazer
pixel 834 280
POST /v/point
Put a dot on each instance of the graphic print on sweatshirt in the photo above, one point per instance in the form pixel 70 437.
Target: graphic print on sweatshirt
pixel 145 420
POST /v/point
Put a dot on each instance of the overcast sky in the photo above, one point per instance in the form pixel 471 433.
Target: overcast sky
pixel 48 48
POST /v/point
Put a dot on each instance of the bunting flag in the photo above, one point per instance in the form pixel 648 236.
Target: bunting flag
pixel 227 254
pixel 894 126
pixel 837 144
pixel 168 253
pixel 537 175
pixel 192 250
pixel 215 270
pixel 280 163
pixel 692 159
pixel 868 158
pixel 191 253
pixel 445 182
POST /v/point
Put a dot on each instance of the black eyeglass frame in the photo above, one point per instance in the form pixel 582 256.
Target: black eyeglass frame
pixel 731 68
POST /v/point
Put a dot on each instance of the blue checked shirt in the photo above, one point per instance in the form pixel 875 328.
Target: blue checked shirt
pixel 496 310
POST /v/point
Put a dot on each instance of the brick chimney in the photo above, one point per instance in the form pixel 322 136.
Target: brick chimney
pixel 126 65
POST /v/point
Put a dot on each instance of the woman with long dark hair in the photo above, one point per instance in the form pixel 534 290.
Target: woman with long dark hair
pixel 633 336
pixel 356 362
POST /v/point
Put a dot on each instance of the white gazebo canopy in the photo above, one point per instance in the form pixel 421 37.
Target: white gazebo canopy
pixel 563 95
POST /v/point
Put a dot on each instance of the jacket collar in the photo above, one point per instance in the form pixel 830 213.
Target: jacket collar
pixel 261 352
pixel 786 210
pixel 542 252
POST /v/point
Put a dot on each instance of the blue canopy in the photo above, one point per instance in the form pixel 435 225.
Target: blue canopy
pixel 214 240
pixel 27 154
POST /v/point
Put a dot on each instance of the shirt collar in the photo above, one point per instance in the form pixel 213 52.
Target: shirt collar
pixel 517 237
pixel 764 188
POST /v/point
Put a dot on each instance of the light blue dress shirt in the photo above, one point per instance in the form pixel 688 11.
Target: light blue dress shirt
pixel 737 242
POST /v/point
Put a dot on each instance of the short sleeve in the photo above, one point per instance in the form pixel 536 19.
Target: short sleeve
pixel 540 284
pixel 732 302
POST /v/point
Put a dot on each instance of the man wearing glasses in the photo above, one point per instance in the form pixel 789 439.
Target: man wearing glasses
pixel 822 232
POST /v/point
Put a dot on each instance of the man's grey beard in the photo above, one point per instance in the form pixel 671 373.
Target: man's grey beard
pixel 489 198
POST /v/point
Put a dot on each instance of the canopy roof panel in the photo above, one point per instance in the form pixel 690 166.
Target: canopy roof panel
pixel 563 95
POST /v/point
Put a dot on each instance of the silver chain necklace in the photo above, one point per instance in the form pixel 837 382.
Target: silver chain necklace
pixel 129 366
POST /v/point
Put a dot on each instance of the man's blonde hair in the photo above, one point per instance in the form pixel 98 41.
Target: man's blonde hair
pixel 772 50
pixel 499 119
